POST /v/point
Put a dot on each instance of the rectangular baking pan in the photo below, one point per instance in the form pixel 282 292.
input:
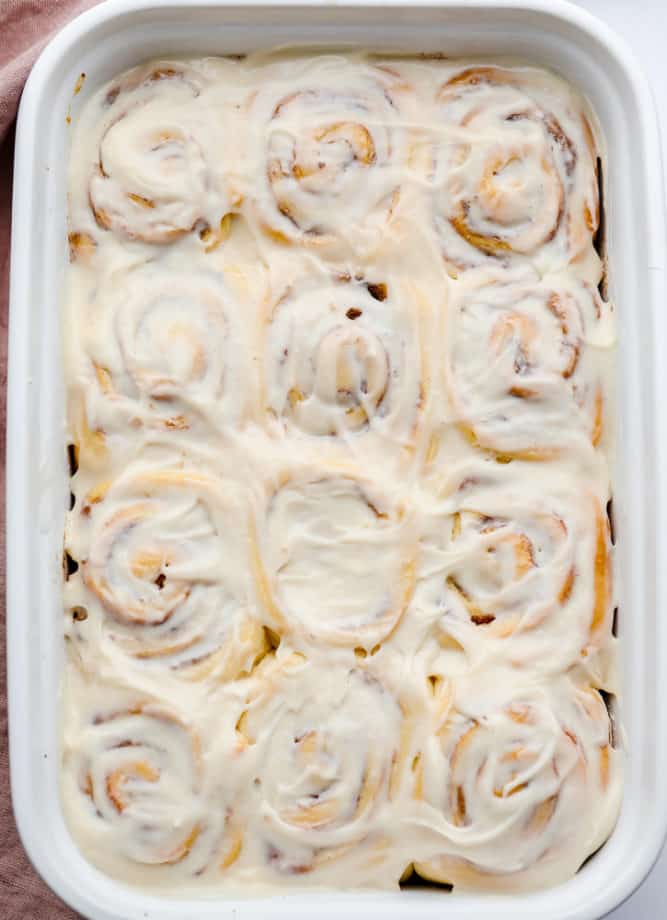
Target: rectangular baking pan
pixel 118 35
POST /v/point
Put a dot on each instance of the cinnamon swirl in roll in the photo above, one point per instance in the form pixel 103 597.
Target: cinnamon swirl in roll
pixel 159 166
pixel 344 357
pixel 518 572
pixel 323 750
pixel 525 782
pixel 523 366
pixel 331 153
pixel 137 787
pixel 163 574
pixel 167 352
pixel 516 170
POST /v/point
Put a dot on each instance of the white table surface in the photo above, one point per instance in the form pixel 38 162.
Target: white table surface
pixel 643 24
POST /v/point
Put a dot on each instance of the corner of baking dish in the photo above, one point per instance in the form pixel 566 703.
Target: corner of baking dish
pixel 36 482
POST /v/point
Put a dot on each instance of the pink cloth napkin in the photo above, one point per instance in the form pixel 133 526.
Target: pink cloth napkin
pixel 25 27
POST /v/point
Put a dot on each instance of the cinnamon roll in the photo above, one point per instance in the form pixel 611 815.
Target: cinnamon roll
pixel 518 573
pixel 167 351
pixel 332 152
pixel 523 364
pixel 525 782
pixel 136 783
pixel 322 749
pixel 163 556
pixel 320 529
pixel 516 170
pixel 158 173
pixel 345 358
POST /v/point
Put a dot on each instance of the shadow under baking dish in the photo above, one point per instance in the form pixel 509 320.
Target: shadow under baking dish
pixel 116 36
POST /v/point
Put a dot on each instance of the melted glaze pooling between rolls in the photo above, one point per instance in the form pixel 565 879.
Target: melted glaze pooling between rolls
pixel 339 575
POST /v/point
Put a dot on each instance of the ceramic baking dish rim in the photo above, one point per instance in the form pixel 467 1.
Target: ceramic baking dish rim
pixel 27 693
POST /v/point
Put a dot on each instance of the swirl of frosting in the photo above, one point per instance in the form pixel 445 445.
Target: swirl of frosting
pixel 155 179
pixel 344 357
pixel 165 347
pixel 320 529
pixel 517 170
pixel 333 154
pixel 139 782
pixel 325 751
pixel 526 779
pixel 518 574
pixel 165 562
pixel 521 368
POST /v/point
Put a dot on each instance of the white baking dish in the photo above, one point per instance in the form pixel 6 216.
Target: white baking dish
pixel 119 34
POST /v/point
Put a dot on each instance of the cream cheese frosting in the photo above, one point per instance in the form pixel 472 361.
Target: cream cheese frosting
pixel 338 594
